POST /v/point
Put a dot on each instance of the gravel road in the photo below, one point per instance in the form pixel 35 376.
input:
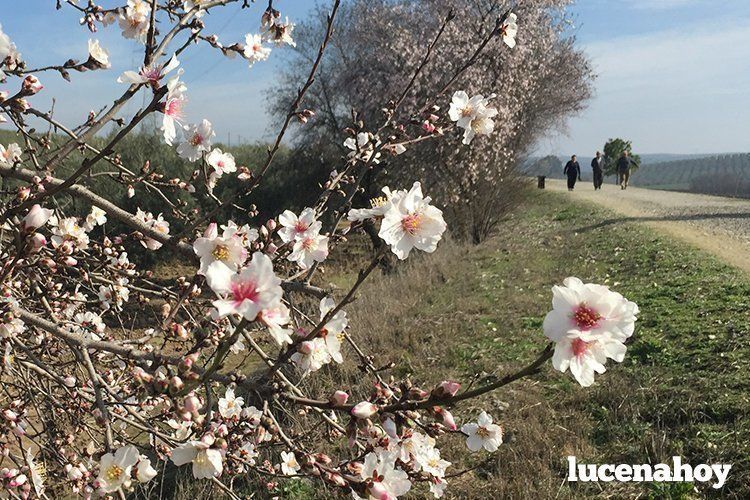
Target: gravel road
pixel 718 225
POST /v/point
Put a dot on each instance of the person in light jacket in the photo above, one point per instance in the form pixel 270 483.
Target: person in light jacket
pixel 573 171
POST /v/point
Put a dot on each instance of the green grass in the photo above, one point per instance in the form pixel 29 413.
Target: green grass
pixel 685 385
pixel 475 313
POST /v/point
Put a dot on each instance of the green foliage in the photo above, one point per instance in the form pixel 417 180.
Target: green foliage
pixel 613 149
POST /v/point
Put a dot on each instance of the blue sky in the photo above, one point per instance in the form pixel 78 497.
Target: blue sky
pixel 674 75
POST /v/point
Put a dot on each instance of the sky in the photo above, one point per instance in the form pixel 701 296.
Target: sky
pixel 673 75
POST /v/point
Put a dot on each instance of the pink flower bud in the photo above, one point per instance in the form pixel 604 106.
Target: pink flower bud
pixel 37 242
pixel 31 85
pixel 192 403
pixel 271 249
pixel 447 388
pixel 448 420
pixel 211 232
pixel 36 217
pixel 271 224
pixel 70 261
pixel 428 127
pixel 365 409
pixel 339 398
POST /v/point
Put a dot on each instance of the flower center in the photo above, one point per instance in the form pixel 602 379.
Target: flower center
pixel 301 227
pixel 477 125
pixel 201 458
pixel 483 432
pixel 467 111
pixel 244 291
pixel 173 108
pixel 411 223
pixel 308 243
pixel 586 318
pixel 580 347
pixel 114 472
pixel 221 252
pixel 196 140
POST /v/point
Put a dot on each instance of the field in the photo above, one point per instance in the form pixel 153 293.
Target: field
pixel 476 313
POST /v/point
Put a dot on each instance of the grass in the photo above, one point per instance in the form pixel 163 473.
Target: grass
pixel 475 313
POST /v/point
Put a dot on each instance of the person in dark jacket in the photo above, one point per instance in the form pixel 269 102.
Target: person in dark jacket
pixel 597 165
pixel 623 169
pixel 573 171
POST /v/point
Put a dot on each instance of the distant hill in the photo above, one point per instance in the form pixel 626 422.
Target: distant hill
pixel 720 174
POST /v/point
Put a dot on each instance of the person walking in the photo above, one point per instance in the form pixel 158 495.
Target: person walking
pixel 623 169
pixel 573 171
pixel 597 165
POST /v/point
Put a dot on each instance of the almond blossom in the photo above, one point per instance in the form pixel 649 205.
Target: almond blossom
pixel 149 74
pixel 172 108
pixel 363 147
pixel 156 223
pixel 134 21
pixel 246 293
pixel 10 155
pixel 230 406
pixel 207 462
pixel 483 434
pixel 474 115
pixel 311 355
pixel 227 249
pixel 309 248
pixel 69 236
pixel 98 54
pixel 383 481
pixel 589 323
pixel 509 30
pixel 276 319
pixel 254 50
pixel 411 222
pixel 289 465
pixel 293 227
pixel 197 140
pixel 280 33
pixel 333 330
pixel 114 469
pixel 221 163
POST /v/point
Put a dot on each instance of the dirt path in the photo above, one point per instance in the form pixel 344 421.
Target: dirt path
pixel 718 225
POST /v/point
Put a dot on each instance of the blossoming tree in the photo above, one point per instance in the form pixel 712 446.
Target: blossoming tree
pixel 95 405
pixel 529 90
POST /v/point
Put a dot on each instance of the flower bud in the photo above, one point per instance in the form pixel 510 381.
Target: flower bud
pixel 339 398
pixel 36 217
pixel 364 410
pixel 37 242
pixel 31 85
pixel 191 403
pixel 446 388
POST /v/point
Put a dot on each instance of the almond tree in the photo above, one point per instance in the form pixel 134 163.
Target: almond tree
pixel 112 371
pixel 536 86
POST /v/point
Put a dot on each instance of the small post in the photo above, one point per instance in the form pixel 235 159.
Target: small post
pixel 540 181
